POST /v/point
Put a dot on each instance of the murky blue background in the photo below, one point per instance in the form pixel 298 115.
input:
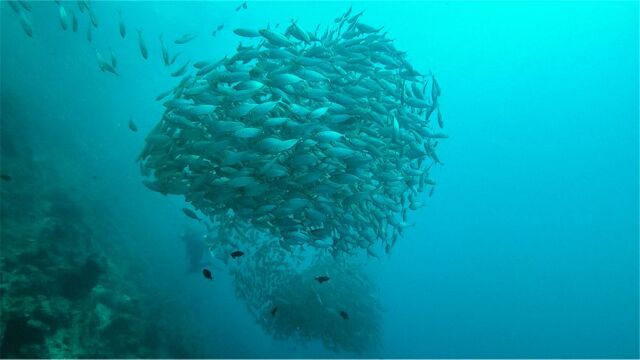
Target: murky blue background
pixel 529 245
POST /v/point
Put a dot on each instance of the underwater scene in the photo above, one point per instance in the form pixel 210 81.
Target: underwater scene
pixel 319 179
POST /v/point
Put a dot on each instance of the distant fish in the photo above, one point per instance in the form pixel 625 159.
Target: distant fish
pixel 242 6
pixel 92 17
pixel 74 22
pixel 322 278
pixel 104 65
pixel 344 314
pixel 121 27
pixel 174 57
pixel 165 52
pixel 26 24
pixel 207 274
pixel 132 126
pixel 82 5
pixel 431 191
pixel 14 6
pixel 163 95
pixel 274 310
pixel 89 35
pixel 5 177
pixel 64 19
pixel 25 5
pixel 236 254
pixel 185 38
pixel 247 33
pixel 220 27
pixel 142 45
pixel 181 70
pixel 190 213
pixel 114 61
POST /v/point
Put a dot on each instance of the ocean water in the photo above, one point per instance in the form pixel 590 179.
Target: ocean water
pixel 527 248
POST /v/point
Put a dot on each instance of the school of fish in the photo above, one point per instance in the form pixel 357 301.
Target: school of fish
pixel 316 138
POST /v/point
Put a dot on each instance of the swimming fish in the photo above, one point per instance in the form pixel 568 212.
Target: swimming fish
pixel 74 22
pixel 132 126
pixel 121 28
pixel 5 177
pixel 236 254
pixel 207 274
pixel 241 6
pixel 89 34
pixel 320 138
pixel 165 52
pixel 185 38
pixel 344 314
pixel 190 213
pixel 142 45
pixel 25 23
pixel 182 70
pixel 64 18
pixel 322 278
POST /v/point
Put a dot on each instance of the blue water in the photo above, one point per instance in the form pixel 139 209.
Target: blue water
pixel 529 245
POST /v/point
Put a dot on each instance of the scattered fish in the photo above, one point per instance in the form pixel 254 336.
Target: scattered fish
pixel 242 6
pixel 25 23
pixel 121 28
pixel 5 177
pixel 344 315
pixel 105 65
pixel 190 213
pixel 207 274
pixel 185 38
pixel 74 22
pixel 322 278
pixel 274 310
pixel 89 34
pixel 64 18
pixel 142 45
pixel 132 126
pixel 236 254
pixel 182 70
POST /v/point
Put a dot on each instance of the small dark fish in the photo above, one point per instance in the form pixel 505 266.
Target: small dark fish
pixel 190 213
pixel 74 22
pixel 207 274
pixel 5 177
pixel 185 38
pixel 182 70
pixel 89 36
pixel 142 45
pixel 25 5
pixel 344 314
pixel 244 5
pixel 431 191
pixel 132 126
pixel 95 177
pixel 322 278
pixel 213 33
pixel 122 29
pixel 274 310
pixel 174 57
pixel 220 27
pixel 236 254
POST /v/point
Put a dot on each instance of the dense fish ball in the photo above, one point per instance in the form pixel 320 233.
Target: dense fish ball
pixel 316 138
